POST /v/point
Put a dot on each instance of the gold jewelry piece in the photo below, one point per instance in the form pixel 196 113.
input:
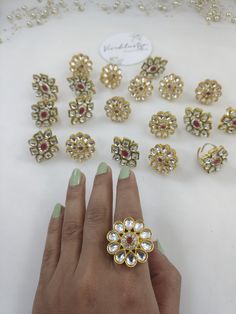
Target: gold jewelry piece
pixel 43 145
pixel 208 92
pixel 171 87
pixel 140 88
pixel 81 86
pixel 81 109
pixel 163 158
pixel 129 242
pixel 45 113
pixel 111 75
pixel 214 159
pixel 197 121
pixel 81 64
pixel 117 109
pixel 80 146
pixel 163 124
pixel 153 67
pixel 44 86
pixel 125 151
pixel 228 121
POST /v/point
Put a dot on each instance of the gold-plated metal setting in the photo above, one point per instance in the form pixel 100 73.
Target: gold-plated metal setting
pixel 171 87
pixel 81 64
pixel 163 158
pixel 81 86
pixel 80 146
pixel 111 76
pixel 45 113
pixel 117 109
pixel 43 145
pixel 163 124
pixel 81 109
pixel 129 242
pixel 228 121
pixel 153 67
pixel 213 159
pixel 140 88
pixel 125 151
pixel 208 92
pixel 197 121
pixel 45 86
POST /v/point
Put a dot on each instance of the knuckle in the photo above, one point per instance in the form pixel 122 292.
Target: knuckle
pixel 87 291
pixel 49 252
pixel 71 230
pixel 96 215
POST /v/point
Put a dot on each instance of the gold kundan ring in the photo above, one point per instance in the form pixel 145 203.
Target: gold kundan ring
pixel 129 242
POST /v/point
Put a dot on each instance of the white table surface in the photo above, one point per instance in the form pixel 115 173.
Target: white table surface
pixel 193 214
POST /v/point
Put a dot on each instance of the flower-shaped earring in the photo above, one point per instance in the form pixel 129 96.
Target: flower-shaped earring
pixel 228 121
pixel 81 64
pixel 43 145
pixel 129 242
pixel 81 86
pixel 171 87
pixel 45 113
pixel 212 160
pixel 125 151
pixel 140 88
pixel 81 109
pixel 153 67
pixel 163 158
pixel 208 92
pixel 163 124
pixel 45 87
pixel 80 146
pixel 197 121
pixel 111 76
pixel 117 109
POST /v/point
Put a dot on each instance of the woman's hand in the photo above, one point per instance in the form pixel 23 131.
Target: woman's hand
pixel 78 276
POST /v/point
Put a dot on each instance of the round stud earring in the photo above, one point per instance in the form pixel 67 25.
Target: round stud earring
pixel 198 122
pixel 228 121
pixel 140 88
pixel 117 109
pixel 213 159
pixel 43 145
pixel 163 124
pixel 153 67
pixel 45 87
pixel 80 146
pixel 171 87
pixel 81 64
pixel 45 113
pixel 111 76
pixel 163 158
pixel 81 109
pixel 208 92
pixel 125 151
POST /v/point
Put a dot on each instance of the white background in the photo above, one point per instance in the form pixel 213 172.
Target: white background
pixel 192 213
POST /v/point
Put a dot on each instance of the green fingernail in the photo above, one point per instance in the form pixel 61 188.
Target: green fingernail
pixel 124 173
pixel 57 211
pixel 102 168
pixel 158 246
pixel 75 177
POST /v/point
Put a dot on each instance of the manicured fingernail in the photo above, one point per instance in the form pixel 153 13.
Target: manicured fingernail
pixel 57 211
pixel 158 246
pixel 102 168
pixel 124 173
pixel 75 177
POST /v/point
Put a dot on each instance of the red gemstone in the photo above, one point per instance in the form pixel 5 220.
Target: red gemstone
pixel 217 161
pixel 44 114
pixel 124 153
pixel 153 68
pixel 234 122
pixel 45 88
pixel 159 159
pixel 81 110
pixel 163 126
pixel 80 86
pixel 129 240
pixel 44 146
pixel 196 124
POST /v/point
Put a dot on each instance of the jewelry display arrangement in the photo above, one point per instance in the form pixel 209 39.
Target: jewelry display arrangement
pixel 162 157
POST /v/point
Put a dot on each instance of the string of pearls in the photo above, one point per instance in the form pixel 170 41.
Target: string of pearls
pixel 42 10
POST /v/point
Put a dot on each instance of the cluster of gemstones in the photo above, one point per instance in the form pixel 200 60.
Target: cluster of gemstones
pixel 197 121
pixel 214 159
pixel 125 151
